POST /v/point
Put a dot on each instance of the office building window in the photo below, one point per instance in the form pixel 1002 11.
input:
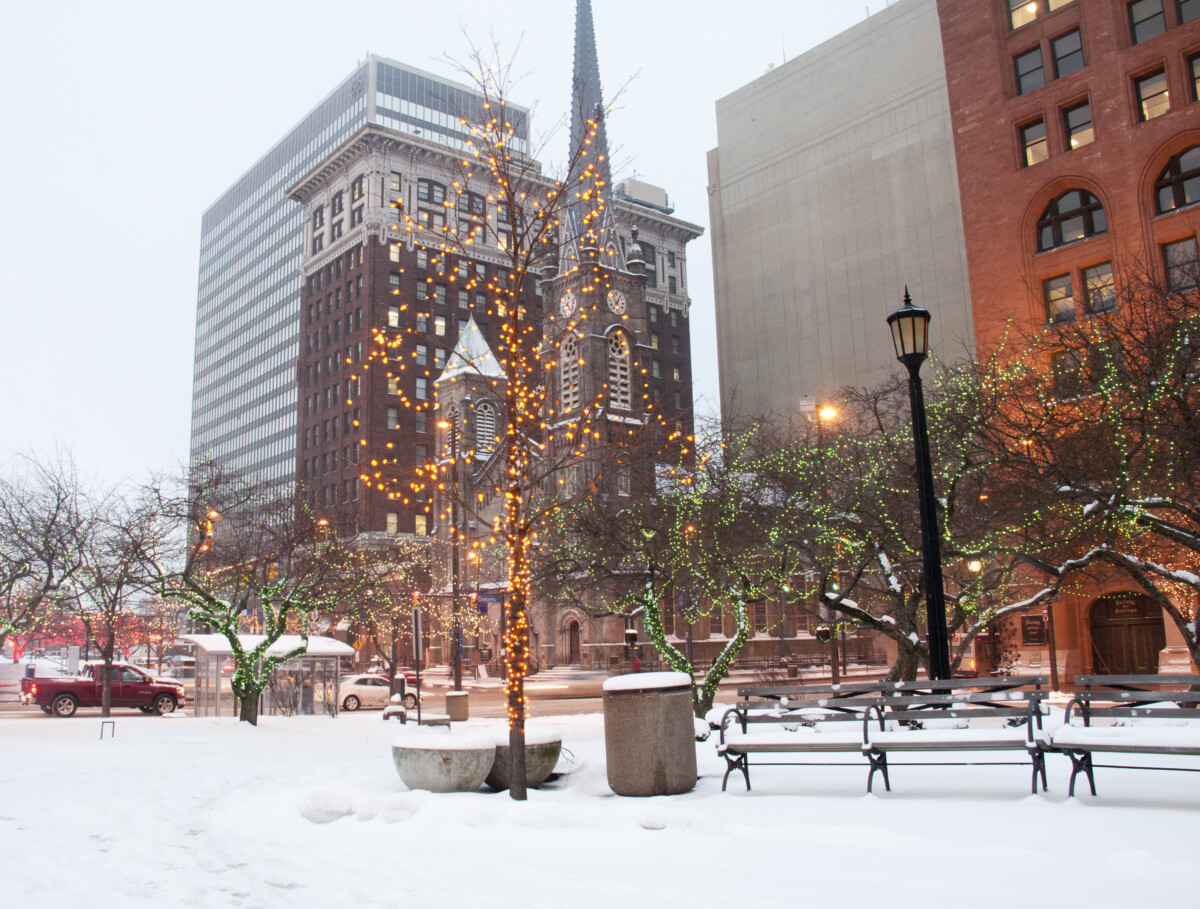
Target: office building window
pixel 422 453
pixel 429 191
pixel 1154 99
pixel 421 525
pixel 656 369
pixel 422 322
pixel 439 326
pixel 1060 298
pixel 357 188
pixel 1182 261
pixel 318 242
pixel 393 317
pixel 393 522
pixel 1033 142
pixel 675 345
pixel 318 217
pixel 422 258
pixel 1073 216
pixel 336 204
pixel 1031 73
pixel 393 385
pixel 654 340
pixel 464 299
pixel 1022 12
pixel 422 389
pixel 439 359
pixel 1098 285
pixel 1068 53
pixel 1078 123
pixel 356 215
pixel 1179 184
pixel 677 373
pixel 654 314
pixel 671 284
pixel 393 418
pixel 440 294
pixel 420 421
pixel 1146 20
pixel 422 355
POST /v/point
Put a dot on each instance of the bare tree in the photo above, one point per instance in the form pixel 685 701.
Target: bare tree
pixel 42 524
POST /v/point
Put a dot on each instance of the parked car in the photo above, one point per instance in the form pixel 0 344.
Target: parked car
pixel 129 686
pixel 370 690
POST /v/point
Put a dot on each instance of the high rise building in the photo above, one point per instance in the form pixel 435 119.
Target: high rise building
pixel 833 185
pixel 248 315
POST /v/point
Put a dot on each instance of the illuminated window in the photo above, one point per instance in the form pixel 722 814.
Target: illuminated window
pixel 439 326
pixel 619 395
pixel 568 359
pixel 1154 98
pixel 1179 184
pixel 421 525
pixel 1078 123
pixel 1060 299
pixel 1073 216
pixel 357 189
pixel 1033 140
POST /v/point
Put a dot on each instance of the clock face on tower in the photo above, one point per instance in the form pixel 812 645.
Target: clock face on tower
pixel 566 304
pixel 617 302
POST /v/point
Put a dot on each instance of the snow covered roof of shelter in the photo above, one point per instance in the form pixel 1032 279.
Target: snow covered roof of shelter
pixel 217 645
pixel 471 355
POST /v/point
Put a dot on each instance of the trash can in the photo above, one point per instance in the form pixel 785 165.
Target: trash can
pixel 456 706
pixel 649 733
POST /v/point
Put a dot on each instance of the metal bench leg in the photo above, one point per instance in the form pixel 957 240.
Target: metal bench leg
pixel 1081 761
pixel 878 762
pixel 739 763
pixel 1039 769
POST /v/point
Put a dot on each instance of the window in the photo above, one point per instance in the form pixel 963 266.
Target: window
pixel 464 299
pixel 432 220
pixel 649 254
pixel 393 418
pixel 671 284
pixel 1194 74
pixel 422 389
pixel 485 427
pixel 1098 286
pixel 654 340
pixel 336 205
pixel 318 242
pixel 439 292
pixel 674 318
pixel 1075 215
pixel 393 182
pixel 422 322
pixel 393 317
pixel 356 215
pixel 1154 99
pixel 393 280
pixel 335 233
pixel 358 286
pixel 393 385
pixel 677 373
pixel 357 189
pixel 1022 12
pixel 421 525
pixel 1188 10
pixel 670 259
pixel 422 355
pixel 428 191
pixel 1060 299
pixel 1146 20
pixel 1182 260
pixel 439 359
pixel 439 326
pixel 654 314
pixel 1068 53
pixel 1031 73
pixel 422 454
pixel 656 369
pixel 393 522
pixel 420 419
pixel 1033 140
pixel 619 397
pixel 568 371
pixel 1179 183
pixel 422 258
pixel 1078 123
pixel 675 345
pixel 318 217
pixel 623 481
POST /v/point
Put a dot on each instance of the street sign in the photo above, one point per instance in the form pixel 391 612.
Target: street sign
pixel 358 644
pixel 484 601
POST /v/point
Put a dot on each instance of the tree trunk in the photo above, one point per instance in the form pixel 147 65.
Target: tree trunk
pixel 248 707
pixel 908 659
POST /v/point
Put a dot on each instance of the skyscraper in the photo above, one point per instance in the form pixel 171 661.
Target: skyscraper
pixel 248 319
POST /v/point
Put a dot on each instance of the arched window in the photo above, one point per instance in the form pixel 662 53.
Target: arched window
pixel 1179 183
pixel 1075 215
pixel 485 427
pixel 619 396
pixel 568 370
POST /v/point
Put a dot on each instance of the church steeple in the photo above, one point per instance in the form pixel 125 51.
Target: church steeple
pixel 587 103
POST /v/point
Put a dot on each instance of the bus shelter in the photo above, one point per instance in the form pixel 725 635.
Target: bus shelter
pixel 304 685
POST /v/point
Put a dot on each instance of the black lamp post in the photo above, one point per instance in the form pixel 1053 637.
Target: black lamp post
pixel 910 334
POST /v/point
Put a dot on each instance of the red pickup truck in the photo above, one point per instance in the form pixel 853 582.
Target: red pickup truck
pixel 128 687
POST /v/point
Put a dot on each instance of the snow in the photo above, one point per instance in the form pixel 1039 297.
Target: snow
pixel 310 812
pixel 643 681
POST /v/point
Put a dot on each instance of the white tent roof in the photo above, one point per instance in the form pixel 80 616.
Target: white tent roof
pixel 471 355
pixel 217 645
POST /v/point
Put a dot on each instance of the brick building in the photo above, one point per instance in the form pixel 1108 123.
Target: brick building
pixel 1077 139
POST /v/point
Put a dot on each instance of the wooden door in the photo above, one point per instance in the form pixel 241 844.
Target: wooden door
pixel 1127 634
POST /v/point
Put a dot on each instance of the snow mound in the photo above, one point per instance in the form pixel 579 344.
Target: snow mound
pixel 328 804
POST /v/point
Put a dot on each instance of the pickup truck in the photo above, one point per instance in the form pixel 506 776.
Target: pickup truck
pixel 128 687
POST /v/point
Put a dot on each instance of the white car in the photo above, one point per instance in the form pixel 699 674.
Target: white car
pixel 368 690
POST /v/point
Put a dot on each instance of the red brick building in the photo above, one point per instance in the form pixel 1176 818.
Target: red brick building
pixel 1077 139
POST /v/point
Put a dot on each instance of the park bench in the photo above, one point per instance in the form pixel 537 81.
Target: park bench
pixel 875 719
pixel 1145 720
pixel 794 719
pixel 957 715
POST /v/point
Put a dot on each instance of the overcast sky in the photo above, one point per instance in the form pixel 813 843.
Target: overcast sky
pixel 124 121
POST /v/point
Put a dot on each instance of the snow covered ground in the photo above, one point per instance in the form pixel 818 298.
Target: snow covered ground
pixel 309 812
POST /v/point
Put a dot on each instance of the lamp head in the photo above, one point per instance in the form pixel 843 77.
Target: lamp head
pixel 910 333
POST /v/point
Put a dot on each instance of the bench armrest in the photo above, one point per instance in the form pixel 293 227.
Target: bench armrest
pixel 734 711
pixel 866 735
pixel 1082 704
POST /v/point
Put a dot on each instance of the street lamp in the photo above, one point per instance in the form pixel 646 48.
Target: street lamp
pixel 910 335
pixel 456 648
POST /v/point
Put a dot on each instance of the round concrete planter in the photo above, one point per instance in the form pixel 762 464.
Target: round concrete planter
pixel 441 761
pixel 542 748
pixel 649 734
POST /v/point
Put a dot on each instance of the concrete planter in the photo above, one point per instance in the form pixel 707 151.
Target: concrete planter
pixel 649 734
pixel 442 761
pixel 542 748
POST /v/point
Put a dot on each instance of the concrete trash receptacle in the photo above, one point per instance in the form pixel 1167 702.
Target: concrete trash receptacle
pixel 456 706
pixel 649 735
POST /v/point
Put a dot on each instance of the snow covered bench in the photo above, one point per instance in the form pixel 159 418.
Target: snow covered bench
pixel 794 719
pixel 1144 721
pixel 958 715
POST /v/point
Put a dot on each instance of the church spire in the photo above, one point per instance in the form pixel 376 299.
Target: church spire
pixel 587 103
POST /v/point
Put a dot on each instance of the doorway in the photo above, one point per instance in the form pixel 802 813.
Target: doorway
pixel 1127 634
pixel 574 649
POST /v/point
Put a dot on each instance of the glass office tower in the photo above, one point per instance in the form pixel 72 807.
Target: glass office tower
pixel 248 301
